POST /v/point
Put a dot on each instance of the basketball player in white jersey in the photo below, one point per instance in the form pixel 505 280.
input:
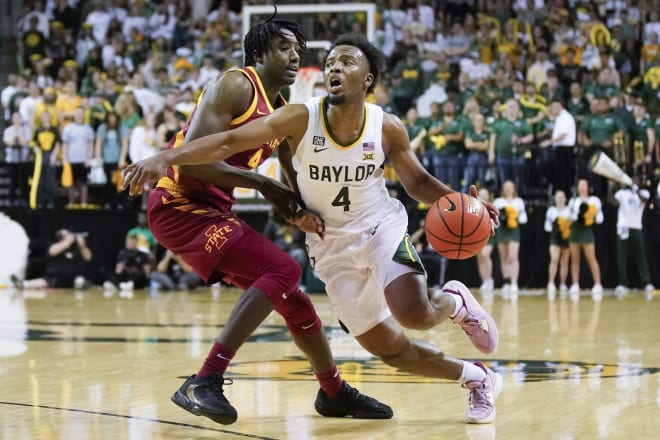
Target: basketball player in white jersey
pixel 356 232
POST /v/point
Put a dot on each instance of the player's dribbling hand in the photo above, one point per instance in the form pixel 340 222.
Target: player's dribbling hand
pixel 280 196
pixel 140 176
pixel 309 221
pixel 493 212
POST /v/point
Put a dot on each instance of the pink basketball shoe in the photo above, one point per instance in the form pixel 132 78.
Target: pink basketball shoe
pixel 482 396
pixel 473 319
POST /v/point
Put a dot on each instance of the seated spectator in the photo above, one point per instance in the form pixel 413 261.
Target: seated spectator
pixel 145 239
pixel 67 264
pixel 174 273
pixel 132 270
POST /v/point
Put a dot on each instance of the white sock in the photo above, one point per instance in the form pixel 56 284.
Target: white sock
pixel 458 303
pixel 471 373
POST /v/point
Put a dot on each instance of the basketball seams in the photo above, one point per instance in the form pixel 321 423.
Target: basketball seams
pixel 446 232
pixel 444 220
pixel 481 218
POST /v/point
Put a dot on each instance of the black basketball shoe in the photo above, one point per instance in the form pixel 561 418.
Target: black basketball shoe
pixel 350 403
pixel 204 397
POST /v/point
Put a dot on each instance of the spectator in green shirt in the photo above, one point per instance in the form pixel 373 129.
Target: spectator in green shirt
pixel 407 81
pixel 448 151
pixel 577 104
pixel 476 143
pixel 641 131
pixel 145 239
pixel 510 139
pixel 599 133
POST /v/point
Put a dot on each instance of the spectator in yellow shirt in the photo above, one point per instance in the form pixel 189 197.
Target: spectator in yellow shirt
pixel 47 105
pixel 67 103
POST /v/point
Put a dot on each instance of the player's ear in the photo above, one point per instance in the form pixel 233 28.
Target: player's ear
pixel 368 80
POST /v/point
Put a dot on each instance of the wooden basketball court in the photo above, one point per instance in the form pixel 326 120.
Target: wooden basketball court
pixel 89 365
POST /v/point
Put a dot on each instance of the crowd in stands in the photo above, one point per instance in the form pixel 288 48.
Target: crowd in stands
pixel 521 91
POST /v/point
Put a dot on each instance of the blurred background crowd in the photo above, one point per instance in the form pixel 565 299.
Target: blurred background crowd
pixel 521 91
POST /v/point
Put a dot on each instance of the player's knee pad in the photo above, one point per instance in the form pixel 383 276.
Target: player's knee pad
pixel 299 313
pixel 280 279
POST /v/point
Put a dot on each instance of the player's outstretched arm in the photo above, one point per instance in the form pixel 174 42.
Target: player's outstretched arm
pixel 288 122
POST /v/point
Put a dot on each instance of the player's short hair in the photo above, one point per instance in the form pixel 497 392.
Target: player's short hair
pixel 257 41
pixel 374 55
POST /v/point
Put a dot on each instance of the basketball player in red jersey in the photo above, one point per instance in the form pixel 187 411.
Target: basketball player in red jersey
pixel 190 213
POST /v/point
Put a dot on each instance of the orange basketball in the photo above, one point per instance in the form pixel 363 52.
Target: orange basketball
pixel 457 226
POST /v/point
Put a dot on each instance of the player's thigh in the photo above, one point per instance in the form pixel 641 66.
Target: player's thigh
pixel 254 256
pixel 407 296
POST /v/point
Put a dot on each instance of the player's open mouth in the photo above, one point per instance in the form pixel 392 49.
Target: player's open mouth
pixel 334 85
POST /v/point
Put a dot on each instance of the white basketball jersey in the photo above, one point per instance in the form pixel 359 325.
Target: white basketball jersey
pixel 344 183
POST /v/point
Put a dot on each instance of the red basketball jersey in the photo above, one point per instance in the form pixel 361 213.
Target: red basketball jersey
pixel 182 188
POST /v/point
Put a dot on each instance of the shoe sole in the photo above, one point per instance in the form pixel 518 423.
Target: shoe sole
pixel 498 384
pixel 325 412
pixel 182 401
pixel 461 289
pixel 370 416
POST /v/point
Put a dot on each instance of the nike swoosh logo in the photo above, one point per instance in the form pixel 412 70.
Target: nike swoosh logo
pixel 190 393
pixel 261 113
pixel 452 205
pixel 305 327
pixel 318 150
